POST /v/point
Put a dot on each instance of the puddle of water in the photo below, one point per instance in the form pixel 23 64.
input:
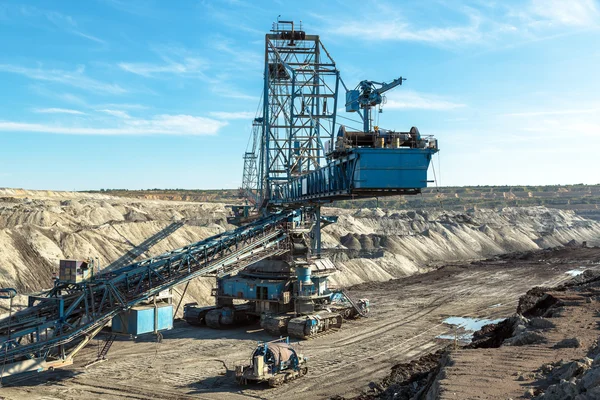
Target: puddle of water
pixel 466 327
pixel 496 305
pixel 462 337
pixel 470 324
pixel 575 272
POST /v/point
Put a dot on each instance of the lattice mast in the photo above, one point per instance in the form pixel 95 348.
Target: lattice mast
pixel 299 106
pixel 250 179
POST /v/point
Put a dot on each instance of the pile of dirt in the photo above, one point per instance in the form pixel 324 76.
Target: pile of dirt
pixel 577 380
pixel 492 335
pixel 406 381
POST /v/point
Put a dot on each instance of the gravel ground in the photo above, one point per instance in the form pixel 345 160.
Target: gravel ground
pixel 407 316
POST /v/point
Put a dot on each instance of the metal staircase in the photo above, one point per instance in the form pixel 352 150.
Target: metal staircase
pixel 107 345
pixel 354 303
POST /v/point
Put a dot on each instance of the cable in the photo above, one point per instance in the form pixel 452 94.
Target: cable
pixel 350 119
pixel 440 166
pixel 181 298
pixel 257 113
pixel 434 177
pixel 159 339
pixel 348 126
pixel 437 189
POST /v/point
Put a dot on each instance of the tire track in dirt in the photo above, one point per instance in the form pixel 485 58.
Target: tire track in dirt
pixel 425 345
pixel 378 329
pixel 407 316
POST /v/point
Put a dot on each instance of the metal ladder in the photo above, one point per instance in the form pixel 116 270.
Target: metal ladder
pixel 109 341
pixel 103 352
pixel 353 302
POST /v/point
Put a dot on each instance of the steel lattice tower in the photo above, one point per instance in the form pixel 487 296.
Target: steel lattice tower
pixel 250 180
pixel 299 105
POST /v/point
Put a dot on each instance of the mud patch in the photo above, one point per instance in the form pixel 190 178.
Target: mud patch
pixel 536 302
pixel 492 335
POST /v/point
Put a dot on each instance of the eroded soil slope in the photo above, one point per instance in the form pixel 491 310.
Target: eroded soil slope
pixel 37 228
pixel 392 243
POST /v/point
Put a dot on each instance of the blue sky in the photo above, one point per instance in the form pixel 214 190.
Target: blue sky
pixel 143 94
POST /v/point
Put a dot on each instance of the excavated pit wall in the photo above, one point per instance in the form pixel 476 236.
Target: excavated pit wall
pixel 409 241
pixel 38 228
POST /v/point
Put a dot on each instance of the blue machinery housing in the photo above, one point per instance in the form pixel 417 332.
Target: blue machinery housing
pixel 362 172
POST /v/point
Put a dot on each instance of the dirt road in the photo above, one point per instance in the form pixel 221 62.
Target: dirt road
pixel 406 317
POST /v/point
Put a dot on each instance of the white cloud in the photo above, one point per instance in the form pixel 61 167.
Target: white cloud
pixel 61 21
pixel 165 124
pixel 563 129
pixel 138 8
pixel 385 22
pixel 232 115
pixel 116 113
pixel 409 99
pixel 75 78
pixel 478 23
pixel 68 97
pixel 58 111
pixel 402 31
pixel 580 13
pixel 125 106
pixel 225 90
pixel 241 59
pixel 180 124
pixel 176 61
pixel 149 70
pixel 89 37
pixel 553 112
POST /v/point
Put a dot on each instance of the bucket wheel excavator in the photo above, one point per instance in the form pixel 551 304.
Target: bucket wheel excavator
pixel 270 267
pixel 299 161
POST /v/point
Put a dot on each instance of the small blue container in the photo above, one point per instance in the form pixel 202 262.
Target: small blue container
pixel 140 319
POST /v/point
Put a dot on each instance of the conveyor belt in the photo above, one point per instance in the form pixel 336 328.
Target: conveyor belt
pixel 59 322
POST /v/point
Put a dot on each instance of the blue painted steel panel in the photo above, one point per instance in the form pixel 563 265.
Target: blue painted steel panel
pixel 391 168
pixel 246 288
pixel 362 170
pixel 140 320
pixel 352 103
pixel 303 274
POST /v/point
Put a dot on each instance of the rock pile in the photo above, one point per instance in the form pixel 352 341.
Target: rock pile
pixel 576 380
